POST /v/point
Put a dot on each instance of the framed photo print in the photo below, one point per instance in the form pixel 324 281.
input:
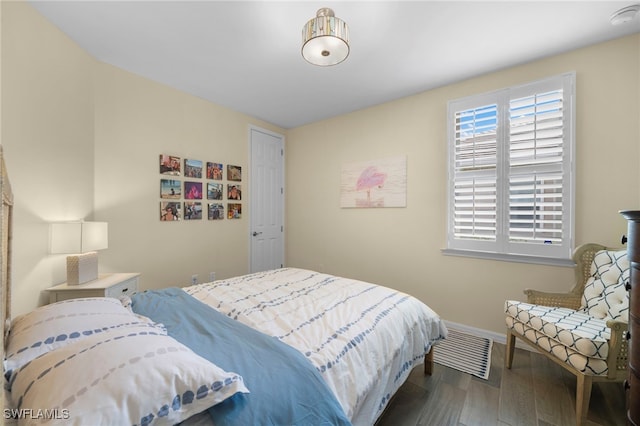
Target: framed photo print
pixel 169 165
pixel 170 188
pixel 234 192
pixel 234 210
pixel 234 173
pixel 214 191
pixel 214 171
pixel 193 190
pixel 192 210
pixel 169 211
pixel 216 211
pixel 193 168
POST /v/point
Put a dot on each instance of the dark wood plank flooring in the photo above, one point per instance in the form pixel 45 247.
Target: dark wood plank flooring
pixel 534 392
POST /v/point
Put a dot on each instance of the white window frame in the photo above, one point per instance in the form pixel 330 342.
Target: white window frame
pixel 557 252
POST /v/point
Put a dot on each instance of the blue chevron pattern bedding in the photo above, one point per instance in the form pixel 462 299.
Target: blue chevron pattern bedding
pixel 363 339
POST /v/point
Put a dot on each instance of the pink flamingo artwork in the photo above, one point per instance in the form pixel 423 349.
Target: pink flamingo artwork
pixel 370 178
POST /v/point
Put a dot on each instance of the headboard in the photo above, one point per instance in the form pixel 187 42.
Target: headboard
pixel 5 253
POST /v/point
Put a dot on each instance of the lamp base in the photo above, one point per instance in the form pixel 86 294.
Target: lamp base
pixel 82 268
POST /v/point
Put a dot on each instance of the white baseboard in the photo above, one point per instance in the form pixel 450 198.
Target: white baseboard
pixel 496 337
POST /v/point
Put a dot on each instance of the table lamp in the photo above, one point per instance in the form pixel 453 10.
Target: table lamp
pixel 82 239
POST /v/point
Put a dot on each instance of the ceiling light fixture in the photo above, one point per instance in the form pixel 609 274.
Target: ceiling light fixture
pixel 625 14
pixel 325 39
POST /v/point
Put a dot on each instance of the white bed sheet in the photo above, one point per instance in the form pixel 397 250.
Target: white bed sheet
pixel 364 339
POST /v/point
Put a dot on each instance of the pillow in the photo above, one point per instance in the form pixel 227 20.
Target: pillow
pixel 122 376
pixel 56 325
pixel 605 295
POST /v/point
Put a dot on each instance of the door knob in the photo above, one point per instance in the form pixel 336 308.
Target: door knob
pixel 255 234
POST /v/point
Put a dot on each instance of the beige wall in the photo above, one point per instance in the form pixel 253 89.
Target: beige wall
pixel 47 134
pixel 82 140
pixel 136 121
pixel 401 247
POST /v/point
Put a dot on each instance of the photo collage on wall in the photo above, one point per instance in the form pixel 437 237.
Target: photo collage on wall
pixel 191 189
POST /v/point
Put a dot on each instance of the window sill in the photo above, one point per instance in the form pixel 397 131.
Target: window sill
pixel 509 257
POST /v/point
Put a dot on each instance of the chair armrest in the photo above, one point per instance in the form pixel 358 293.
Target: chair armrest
pixel 561 300
pixel 617 360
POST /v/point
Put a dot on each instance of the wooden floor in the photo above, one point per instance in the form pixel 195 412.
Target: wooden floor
pixel 534 392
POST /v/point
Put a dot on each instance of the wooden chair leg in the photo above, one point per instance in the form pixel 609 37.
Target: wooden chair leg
pixel 583 395
pixel 428 362
pixel 511 345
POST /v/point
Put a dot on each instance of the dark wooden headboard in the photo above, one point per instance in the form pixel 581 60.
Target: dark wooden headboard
pixel 5 253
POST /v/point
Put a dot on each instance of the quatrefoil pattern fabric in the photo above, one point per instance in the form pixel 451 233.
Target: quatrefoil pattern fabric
pixel 574 329
pixel 605 295
pixel 579 338
pixel 587 365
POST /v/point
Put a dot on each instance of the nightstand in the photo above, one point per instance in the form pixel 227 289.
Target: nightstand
pixel 107 285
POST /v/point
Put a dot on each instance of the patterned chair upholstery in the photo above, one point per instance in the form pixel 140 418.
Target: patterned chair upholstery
pixel 583 330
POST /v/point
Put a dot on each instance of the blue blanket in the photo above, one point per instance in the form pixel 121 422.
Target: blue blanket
pixel 285 389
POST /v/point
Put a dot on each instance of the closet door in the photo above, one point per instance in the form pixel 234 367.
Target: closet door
pixel 266 193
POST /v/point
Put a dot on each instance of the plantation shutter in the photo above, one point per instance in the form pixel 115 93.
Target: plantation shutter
pixel 536 153
pixel 511 170
pixel 475 167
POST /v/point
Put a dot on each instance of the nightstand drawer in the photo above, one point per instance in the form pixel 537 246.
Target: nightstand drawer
pixel 125 288
pixel 109 285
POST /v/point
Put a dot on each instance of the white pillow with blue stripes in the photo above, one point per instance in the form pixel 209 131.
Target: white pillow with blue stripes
pixel 131 376
pixel 59 324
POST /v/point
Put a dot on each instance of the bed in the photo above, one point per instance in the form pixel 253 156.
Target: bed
pixel 287 346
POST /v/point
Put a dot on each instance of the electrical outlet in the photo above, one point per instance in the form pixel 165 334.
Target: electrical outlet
pixel 194 279
pixel 212 276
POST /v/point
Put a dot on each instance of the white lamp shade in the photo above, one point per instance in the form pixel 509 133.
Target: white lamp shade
pixel 79 237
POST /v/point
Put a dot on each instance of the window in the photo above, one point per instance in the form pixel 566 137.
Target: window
pixel 511 172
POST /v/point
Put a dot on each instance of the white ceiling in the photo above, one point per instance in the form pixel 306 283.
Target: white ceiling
pixel 246 55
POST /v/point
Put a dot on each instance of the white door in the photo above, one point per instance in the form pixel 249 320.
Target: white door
pixel 267 200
